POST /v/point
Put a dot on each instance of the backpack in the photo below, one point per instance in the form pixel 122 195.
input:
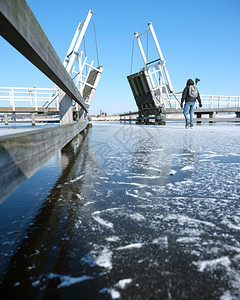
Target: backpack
pixel 193 91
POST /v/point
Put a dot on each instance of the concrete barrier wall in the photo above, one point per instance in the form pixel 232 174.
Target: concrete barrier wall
pixel 21 155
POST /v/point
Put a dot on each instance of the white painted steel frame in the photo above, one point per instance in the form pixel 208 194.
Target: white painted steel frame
pixel 38 97
pixel 208 101
pixel 29 97
pixel 73 55
pixel 156 72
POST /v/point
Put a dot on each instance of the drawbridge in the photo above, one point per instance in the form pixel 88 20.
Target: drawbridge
pixel 152 86
pixel 154 94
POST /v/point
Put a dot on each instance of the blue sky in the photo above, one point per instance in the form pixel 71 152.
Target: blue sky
pixel 197 38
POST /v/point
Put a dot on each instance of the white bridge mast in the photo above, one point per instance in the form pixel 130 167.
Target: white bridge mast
pixel 86 84
pixel 156 71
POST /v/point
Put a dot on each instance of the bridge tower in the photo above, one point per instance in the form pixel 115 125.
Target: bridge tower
pixel 152 86
pixel 75 62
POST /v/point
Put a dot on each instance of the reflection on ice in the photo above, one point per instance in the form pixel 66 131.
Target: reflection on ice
pixel 131 246
pixel 100 220
pixel 223 261
pixel 65 280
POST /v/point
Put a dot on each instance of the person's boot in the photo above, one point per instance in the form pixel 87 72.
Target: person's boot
pixel 187 124
pixel 191 125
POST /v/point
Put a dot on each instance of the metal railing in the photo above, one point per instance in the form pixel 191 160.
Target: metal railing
pixel 208 101
pixel 29 97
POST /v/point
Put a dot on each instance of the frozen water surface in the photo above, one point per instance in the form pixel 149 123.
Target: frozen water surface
pixel 128 212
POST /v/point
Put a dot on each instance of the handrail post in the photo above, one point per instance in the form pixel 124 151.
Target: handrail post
pixel 33 119
pixel 211 101
pixel 6 119
pixel 35 98
pixel 228 105
pixel 130 117
pixel 57 100
pixel 49 98
pixel 12 99
pixel 30 97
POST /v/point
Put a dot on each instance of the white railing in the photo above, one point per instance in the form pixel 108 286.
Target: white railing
pixel 29 97
pixel 208 101
pixel 49 97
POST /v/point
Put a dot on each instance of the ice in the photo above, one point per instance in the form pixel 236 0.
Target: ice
pixel 227 296
pixel 185 219
pixel 135 194
pixel 161 241
pixel 113 239
pixel 75 179
pixel 113 293
pixel 104 259
pixel 235 249
pixel 184 182
pixel 143 177
pixel 133 183
pixel 237 257
pixel 230 225
pixel 129 221
pixel 188 239
pixel 68 280
pixel 212 264
pixel 31 267
pixel 130 246
pixel 36 283
pixel 131 194
pixel 7 243
pixel 137 216
pixel 123 283
pixel 192 232
pixel 79 197
pixel 17 283
pixel 88 203
pixel 154 169
pixel 89 259
pixel 212 155
pixel 187 168
pixel 78 223
pixel 172 172
pixel 101 221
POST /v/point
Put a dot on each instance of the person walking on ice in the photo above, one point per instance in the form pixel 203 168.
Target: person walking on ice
pixel 189 95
